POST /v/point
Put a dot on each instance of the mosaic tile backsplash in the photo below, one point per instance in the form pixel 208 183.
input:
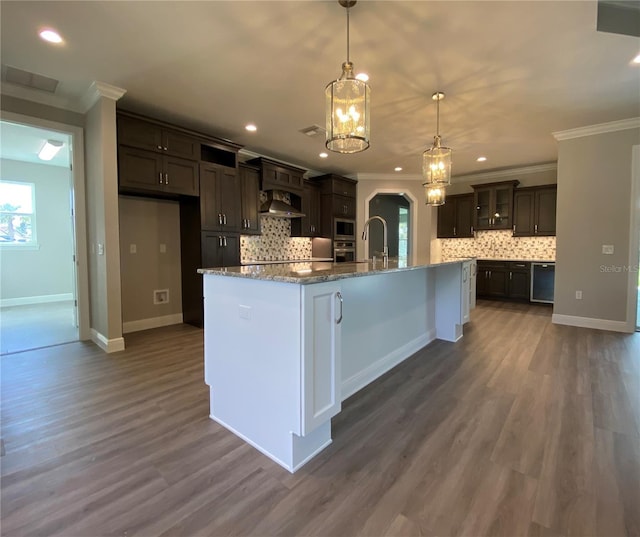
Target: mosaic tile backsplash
pixel 501 245
pixel 275 243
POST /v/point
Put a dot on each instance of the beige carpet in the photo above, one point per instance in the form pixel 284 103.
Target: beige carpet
pixel 36 325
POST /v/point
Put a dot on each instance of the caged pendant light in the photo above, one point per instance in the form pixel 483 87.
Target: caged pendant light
pixel 347 106
pixel 436 161
pixel 435 194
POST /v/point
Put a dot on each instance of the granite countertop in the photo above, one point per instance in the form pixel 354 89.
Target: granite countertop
pixel 308 272
pixel 280 261
pixel 516 260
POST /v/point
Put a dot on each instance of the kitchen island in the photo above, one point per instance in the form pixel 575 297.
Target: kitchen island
pixel 285 344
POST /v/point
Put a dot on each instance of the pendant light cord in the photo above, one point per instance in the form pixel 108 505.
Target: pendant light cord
pixel 438 117
pixel 347 34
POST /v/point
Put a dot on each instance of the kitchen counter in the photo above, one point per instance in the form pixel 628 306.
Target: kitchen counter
pixel 285 344
pixel 281 261
pixel 308 272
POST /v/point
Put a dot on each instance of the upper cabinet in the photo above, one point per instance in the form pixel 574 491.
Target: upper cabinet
pixel 142 134
pixel 535 211
pixel 338 201
pixel 309 225
pixel 277 176
pixel 455 217
pixel 494 205
pixel 250 199
pixel 219 198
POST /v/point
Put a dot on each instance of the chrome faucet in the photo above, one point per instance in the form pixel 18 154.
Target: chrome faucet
pixel 385 247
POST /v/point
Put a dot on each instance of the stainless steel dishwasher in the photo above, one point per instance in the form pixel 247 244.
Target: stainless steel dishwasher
pixel 542 282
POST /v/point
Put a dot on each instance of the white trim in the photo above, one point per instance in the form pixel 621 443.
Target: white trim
pixel 601 128
pixel 41 299
pixel 79 210
pixel 413 215
pixel 634 240
pixel 42 97
pixel 107 345
pixel 589 322
pixel 152 322
pixel 498 174
pixel 98 90
pixel 384 364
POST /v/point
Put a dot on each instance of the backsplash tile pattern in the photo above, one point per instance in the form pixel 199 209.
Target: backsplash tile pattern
pixel 501 245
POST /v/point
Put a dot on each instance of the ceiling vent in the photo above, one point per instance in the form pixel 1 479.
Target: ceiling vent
pixel 312 131
pixel 29 80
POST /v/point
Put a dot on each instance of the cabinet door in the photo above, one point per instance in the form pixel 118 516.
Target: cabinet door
pixel 180 145
pixel 210 214
pixel 482 280
pixel 344 207
pixel 545 215
pixel 315 203
pixel 502 207
pixel 483 214
pixel 140 170
pixel 212 250
pixel 229 199
pixel 523 203
pixel 321 395
pixel 140 134
pixel 230 250
pixel 498 283
pixel 464 216
pixel 519 284
pixel 447 220
pixel 181 176
pixel 250 187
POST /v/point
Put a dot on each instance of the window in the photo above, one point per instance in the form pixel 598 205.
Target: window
pixel 403 231
pixel 17 214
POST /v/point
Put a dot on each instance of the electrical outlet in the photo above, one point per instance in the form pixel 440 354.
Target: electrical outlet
pixel 163 248
pixel 607 249
pixel 100 248
pixel 161 296
pixel 578 295
pixel 244 312
pixel 133 249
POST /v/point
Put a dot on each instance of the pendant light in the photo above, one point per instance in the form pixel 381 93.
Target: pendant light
pixel 347 106
pixel 436 161
pixel 435 194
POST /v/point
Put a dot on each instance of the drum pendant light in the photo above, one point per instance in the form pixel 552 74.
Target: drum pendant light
pixel 347 106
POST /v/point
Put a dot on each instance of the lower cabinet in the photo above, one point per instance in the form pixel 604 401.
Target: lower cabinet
pixel 503 279
pixel 322 311
pixel 220 250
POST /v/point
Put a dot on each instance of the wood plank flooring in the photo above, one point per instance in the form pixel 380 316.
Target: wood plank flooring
pixel 523 428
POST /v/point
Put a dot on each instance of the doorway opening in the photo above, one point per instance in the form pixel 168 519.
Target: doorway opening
pixel 395 208
pixel 39 254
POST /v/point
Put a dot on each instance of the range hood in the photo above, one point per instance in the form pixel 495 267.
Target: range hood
pixel 277 207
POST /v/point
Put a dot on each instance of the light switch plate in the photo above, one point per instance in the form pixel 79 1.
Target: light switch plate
pixel 607 249
pixel 163 248
pixel 133 249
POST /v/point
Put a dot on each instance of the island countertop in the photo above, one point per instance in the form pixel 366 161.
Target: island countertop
pixel 308 272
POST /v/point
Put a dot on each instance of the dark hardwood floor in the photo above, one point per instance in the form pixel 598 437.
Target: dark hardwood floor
pixel 521 428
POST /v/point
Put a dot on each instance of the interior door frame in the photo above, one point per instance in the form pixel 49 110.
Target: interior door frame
pixel 79 210
pixel 634 241
pixel 413 217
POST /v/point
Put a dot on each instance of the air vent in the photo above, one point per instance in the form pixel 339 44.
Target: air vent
pixel 29 80
pixel 312 131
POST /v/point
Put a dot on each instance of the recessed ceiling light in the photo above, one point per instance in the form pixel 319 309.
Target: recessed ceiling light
pixel 363 76
pixel 50 149
pixel 398 169
pixel 636 60
pixel 50 35
pixel 324 155
pixel 481 159
pixel 251 127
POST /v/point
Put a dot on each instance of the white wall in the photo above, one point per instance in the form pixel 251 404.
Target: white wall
pixel 594 208
pixel 47 270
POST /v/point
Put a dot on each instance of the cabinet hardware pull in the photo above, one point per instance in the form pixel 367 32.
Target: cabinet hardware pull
pixel 220 218
pixel 510 275
pixel 160 147
pixel 165 148
pixel 473 231
pixel 454 231
pixel 219 241
pixel 339 295
pixel 224 239
pixel 489 274
pixel 166 178
pixel 224 219
pixel 514 229
pixel 160 177
pixel 535 228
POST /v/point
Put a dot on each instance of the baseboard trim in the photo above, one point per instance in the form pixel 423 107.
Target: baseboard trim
pixel 384 364
pixel 152 322
pixel 107 345
pixel 28 300
pixel 589 322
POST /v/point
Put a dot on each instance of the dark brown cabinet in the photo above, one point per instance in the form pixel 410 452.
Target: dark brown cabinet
pixel 220 250
pixel 338 200
pixel 494 205
pixel 310 224
pixel 344 207
pixel 144 171
pixel 278 176
pixel 134 132
pixel 219 198
pixel 250 199
pixel 535 211
pixel 503 279
pixel 455 217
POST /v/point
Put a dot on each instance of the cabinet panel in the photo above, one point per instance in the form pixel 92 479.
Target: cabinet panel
pixel 321 385
pixel 140 170
pixel 181 176
pixel 138 133
pixel 181 145
pixel 344 207
pixel 229 199
pixel 523 202
pixel 545 215
pixel 277 176
pixel 250 204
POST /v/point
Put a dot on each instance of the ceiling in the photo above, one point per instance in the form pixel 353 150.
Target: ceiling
pixel 513 72
pixel 22 142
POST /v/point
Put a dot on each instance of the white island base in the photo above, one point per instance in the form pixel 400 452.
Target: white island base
pixel 281 356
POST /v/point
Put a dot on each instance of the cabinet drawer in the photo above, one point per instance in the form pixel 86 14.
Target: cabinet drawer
pixel 343 188
pixel 487 264
pixel 519 265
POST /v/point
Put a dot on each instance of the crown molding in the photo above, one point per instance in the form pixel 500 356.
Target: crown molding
pixel 510 172
pixel 98 90
pixel 601 128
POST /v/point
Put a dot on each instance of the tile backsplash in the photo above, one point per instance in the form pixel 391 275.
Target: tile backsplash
pixel 275 243
pixel 500 245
